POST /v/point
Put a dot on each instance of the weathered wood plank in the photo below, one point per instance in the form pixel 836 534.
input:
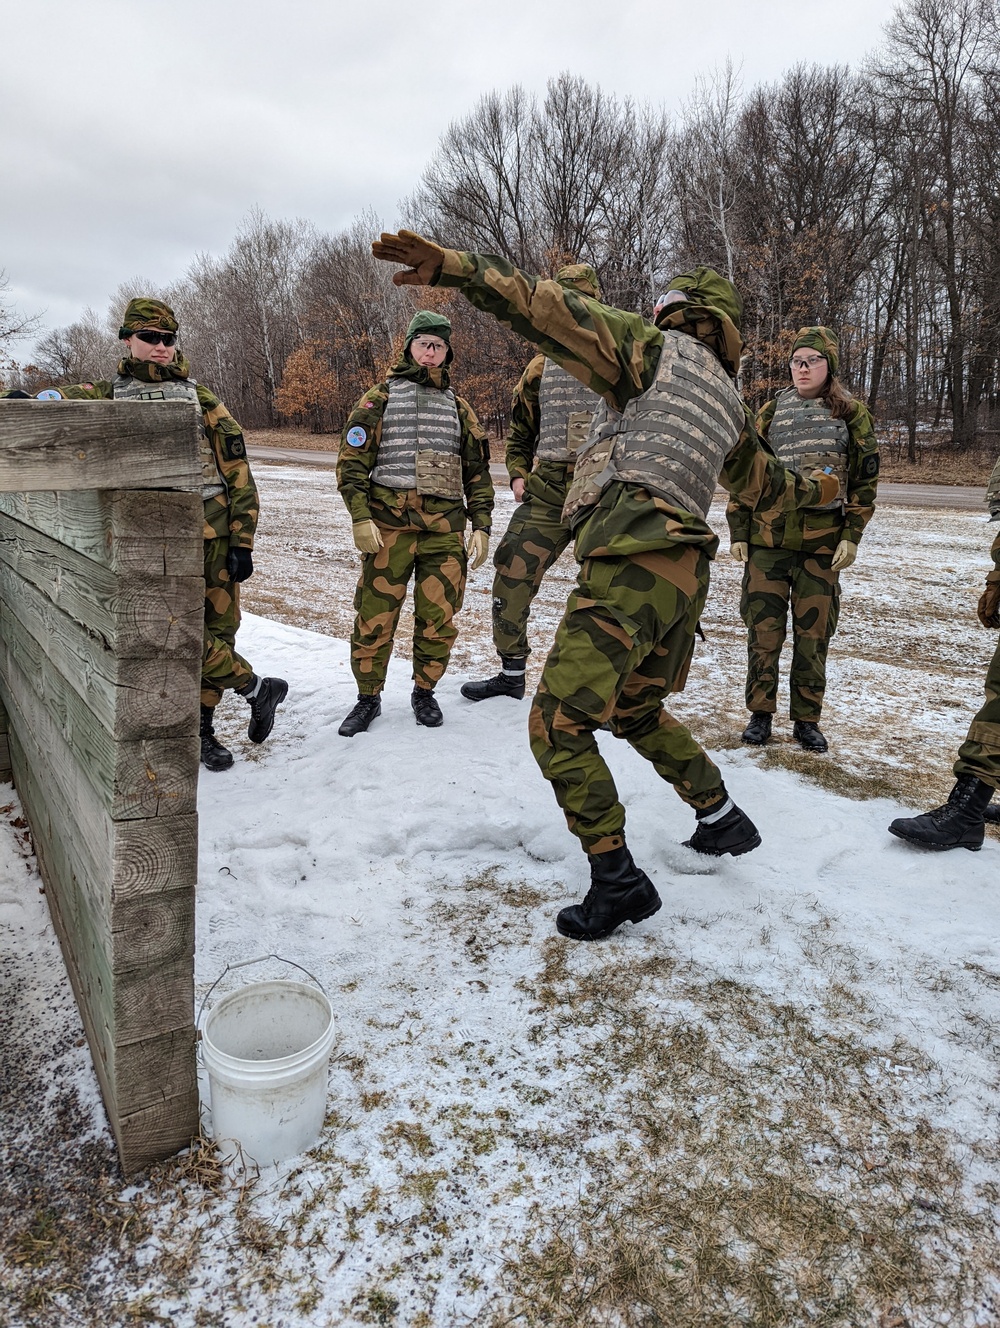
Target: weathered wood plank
pixel 114 861
pixel 132 698
pixel 149 1084
pixel 6 772
pixel 99 445
pixel 147 1136
pixel 135 617
pixel 155 532
pixel 135 779
pixel 129 936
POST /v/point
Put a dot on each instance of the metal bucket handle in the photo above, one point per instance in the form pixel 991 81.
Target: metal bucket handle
pixel 245 963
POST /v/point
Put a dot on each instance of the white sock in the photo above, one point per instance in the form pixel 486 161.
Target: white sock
pixel 718 814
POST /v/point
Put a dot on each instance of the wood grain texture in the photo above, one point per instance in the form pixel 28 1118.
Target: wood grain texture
pixel 132 698
pixel 150 533
pixel 99 445
pixel 136 617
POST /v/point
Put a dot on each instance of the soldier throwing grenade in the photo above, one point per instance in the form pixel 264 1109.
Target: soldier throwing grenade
pixel 670 425
pixel 549 419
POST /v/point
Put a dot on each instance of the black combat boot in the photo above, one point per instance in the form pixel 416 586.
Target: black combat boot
pixel 960 823
pixel 806 733
pixel 508 682
pixel 369 707
pixel 213 755
pixel 426 708
pixel 619 892
pixel 992 813
pixel 723 828
pixel 758 732
pixel 264 696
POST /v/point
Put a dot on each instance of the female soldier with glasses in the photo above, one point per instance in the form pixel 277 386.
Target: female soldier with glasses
pixel 795 558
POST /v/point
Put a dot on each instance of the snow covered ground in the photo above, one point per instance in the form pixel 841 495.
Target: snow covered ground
pixel 773 1102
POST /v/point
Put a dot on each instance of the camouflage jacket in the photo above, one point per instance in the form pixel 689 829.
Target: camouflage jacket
pixel 995 555
pixel 360 493
pixel 233 513
pixel 615 354
pixel 816 532
pixel 525 421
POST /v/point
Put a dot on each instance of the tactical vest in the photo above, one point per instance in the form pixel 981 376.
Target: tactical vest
pixel 127 388
pixel 565 409
pixel 805 437
pixel 673 439
pixel 421 441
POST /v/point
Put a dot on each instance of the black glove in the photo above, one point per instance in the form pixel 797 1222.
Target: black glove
pixel 239 564
pixel 16 392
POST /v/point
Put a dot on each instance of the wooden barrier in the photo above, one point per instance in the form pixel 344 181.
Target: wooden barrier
pixel 101 631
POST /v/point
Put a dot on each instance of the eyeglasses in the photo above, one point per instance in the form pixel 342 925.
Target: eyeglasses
pixel 811 363
pixel 422 343
pixel 154 338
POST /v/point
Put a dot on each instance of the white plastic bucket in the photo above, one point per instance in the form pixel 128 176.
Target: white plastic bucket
pixel 266 1049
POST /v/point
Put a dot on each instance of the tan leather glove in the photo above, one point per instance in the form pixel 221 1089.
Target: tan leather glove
pixel 478 548
pixel 740 550
pixel 844 554
pixel 367 536
pixel 989 605
pixel 421 256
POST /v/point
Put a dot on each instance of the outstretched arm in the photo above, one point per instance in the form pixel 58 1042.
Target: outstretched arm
pixel 612 352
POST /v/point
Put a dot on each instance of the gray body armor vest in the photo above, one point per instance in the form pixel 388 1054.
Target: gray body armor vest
pixel 805 437
pixel 565 409
pixel 127 388
pixel 673 439
pixel 420 445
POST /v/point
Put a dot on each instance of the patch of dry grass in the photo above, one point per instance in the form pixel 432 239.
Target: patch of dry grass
pixel 772 1171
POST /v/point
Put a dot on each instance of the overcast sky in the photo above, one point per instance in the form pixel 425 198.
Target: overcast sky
pixel 136 135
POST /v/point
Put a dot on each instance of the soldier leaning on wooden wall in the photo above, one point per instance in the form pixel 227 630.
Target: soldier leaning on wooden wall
pixel 153 370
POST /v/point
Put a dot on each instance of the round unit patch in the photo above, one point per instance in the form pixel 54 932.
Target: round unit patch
pixel 50 394
pixel 356 437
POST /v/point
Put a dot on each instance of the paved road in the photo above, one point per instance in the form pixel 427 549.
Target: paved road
pixel 967 498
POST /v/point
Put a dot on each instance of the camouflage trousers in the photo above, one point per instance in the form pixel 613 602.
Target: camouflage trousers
pixel 979 755
pixel 222 667
pixel 437 563
pixel 773 579
pixel 532 542
pixel 625 641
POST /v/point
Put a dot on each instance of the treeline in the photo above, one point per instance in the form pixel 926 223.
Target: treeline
pixel 866 198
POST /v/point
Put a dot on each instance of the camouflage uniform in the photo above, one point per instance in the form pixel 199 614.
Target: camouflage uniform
pixel 537 536
pixel 790 556
pixel 421 535
pixel 979 755
pixel 231 503
pixel 627 635
pixel 993 493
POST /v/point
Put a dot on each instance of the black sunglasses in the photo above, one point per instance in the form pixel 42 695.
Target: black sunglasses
pixel 154 338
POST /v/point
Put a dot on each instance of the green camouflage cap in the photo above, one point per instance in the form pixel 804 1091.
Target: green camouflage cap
pixel 707 293
pixel 143 313
pixel 704 286
pixel 581 277
pixel 427 320
pixel 821 339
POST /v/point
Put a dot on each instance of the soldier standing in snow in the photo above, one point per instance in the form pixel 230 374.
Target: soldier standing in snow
pixel 794 559
pixel 549 420
pixel 413 466
pixel 153 370
pixel 960 823
pixel 671 424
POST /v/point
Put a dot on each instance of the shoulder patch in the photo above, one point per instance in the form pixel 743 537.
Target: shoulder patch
pixel 357 437
pixel 49 394
pixel 233 447
pixel 869 465
pixel 369 405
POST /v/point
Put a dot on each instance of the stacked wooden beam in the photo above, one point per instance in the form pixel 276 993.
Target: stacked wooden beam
pixel 101 631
